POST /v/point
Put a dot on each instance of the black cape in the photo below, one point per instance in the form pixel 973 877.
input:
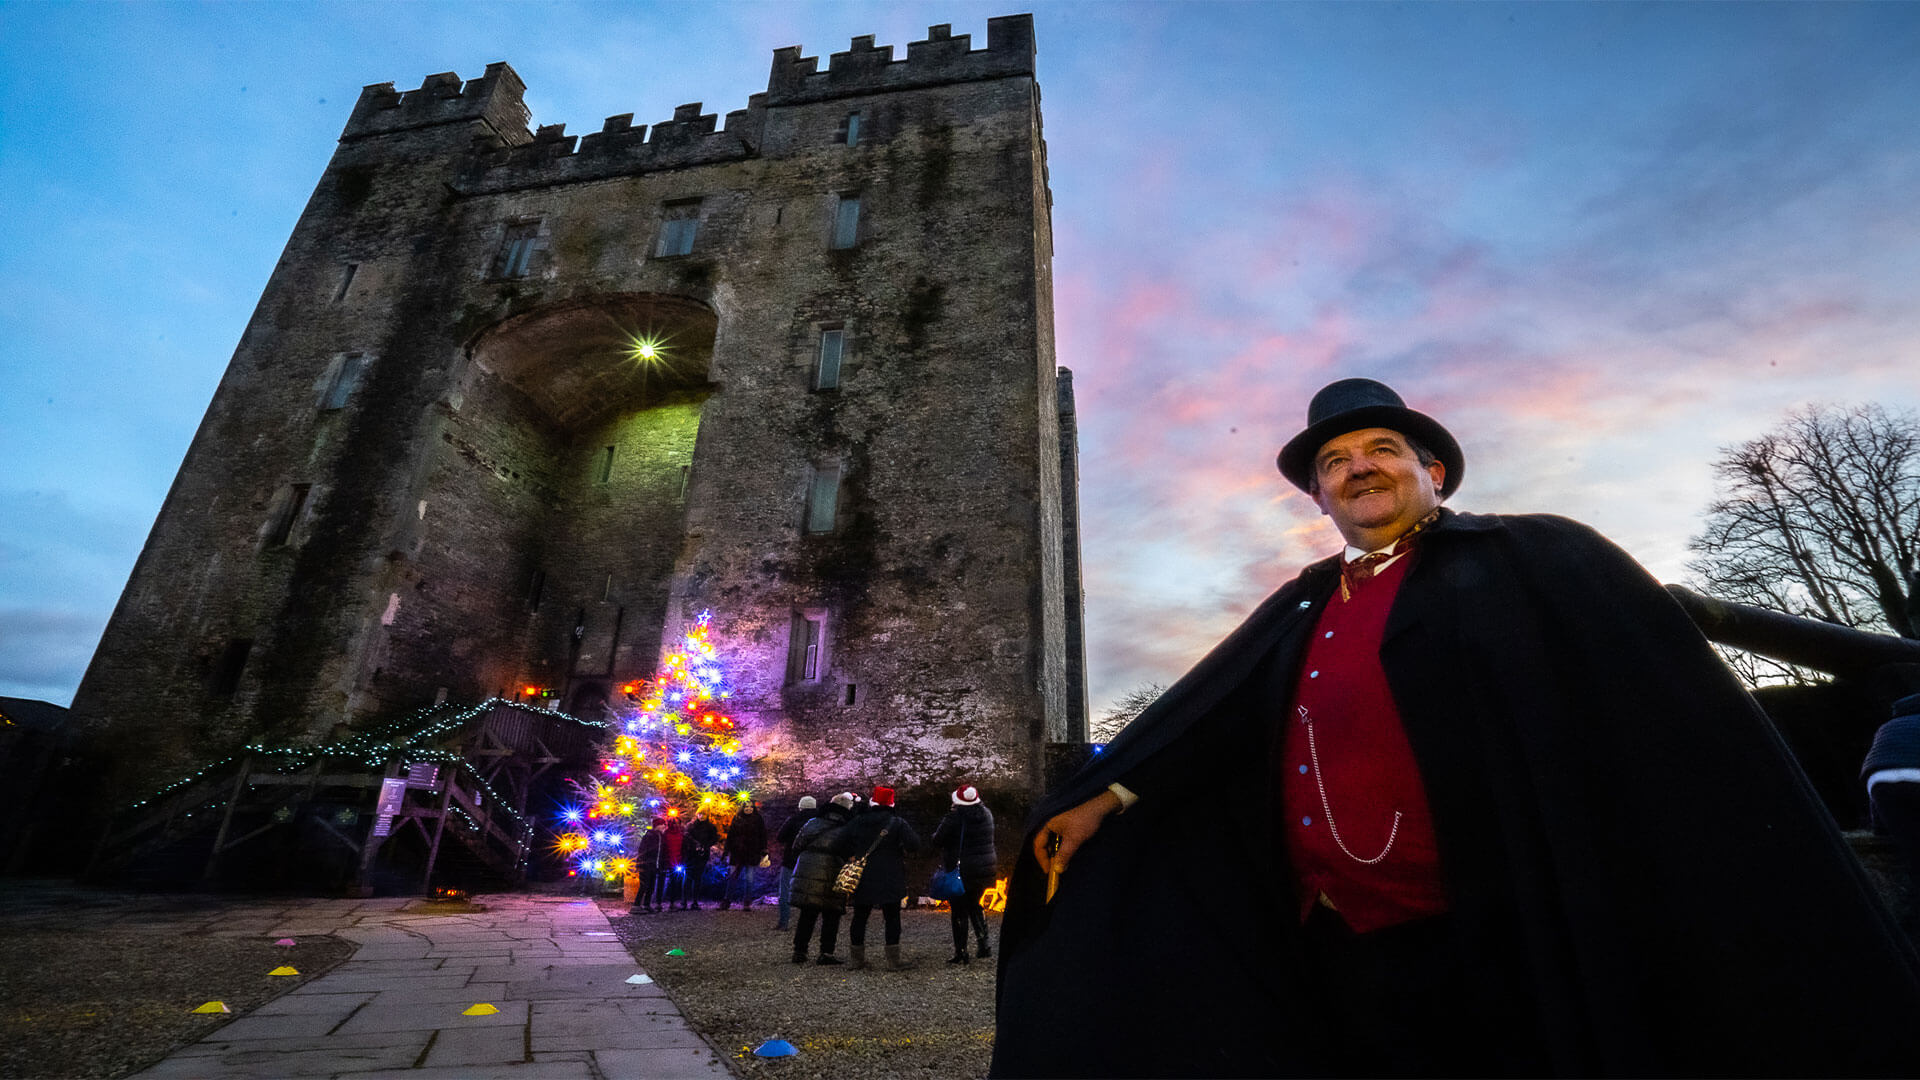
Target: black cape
pixel 1632 858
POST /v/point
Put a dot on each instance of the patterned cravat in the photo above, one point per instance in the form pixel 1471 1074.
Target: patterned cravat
pixel 1363 568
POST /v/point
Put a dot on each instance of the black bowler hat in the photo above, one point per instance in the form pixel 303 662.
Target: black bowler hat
pixel 1353 404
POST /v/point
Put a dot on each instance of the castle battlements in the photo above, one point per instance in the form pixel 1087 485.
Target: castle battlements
pixel 508 155
pixel 619 148
pixel 496 97
pixel 867 69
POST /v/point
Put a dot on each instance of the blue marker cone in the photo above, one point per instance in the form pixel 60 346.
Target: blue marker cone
pixel 774 1048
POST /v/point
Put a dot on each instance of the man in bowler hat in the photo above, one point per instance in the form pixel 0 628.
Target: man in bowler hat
pixel 1511 816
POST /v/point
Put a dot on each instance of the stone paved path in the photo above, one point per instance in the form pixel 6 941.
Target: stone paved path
pixel 550 965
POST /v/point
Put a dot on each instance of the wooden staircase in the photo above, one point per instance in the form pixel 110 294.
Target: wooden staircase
pixel 378 812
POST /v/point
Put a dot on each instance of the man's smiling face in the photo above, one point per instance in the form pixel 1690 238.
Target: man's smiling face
pixel 1374 486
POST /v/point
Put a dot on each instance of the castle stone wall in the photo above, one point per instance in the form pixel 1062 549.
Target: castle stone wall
pixel 465 530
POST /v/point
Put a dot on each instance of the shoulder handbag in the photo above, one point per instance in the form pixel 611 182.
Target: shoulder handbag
pixel 849 877
pixel 946 884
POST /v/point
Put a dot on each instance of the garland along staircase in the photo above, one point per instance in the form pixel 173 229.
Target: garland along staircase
pixel 373 811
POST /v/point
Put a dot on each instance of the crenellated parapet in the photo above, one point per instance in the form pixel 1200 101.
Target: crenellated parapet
pixel 507 156
pixel 496 97
pixel 619 148
pixel 941 58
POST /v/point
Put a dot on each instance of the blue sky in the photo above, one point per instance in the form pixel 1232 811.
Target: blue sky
pixel 1599 241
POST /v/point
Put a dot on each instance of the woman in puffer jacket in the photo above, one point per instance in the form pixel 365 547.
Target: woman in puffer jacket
pixel 813 874
pixel 965 840
pixel 883 885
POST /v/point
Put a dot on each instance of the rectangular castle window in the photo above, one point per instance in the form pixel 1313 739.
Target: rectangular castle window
pixel 846 221
pixel 535 588
pixel 342 380
pixel 680 221
pixel 826 368
pixel 285 513
pixel 853 129
pixel 223 678
pixel 516 250
pixel 823 492
pixel 806 647
pixel 346 281
pixel 606 466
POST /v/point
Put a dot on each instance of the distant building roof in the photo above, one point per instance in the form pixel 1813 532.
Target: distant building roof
pixel 32 714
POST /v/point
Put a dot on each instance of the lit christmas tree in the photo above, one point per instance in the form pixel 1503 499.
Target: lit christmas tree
pixel 672 751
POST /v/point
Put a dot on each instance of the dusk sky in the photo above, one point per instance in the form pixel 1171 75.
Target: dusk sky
pixel 1597 241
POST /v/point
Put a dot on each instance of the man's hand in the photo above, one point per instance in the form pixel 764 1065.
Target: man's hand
pixel 1074 827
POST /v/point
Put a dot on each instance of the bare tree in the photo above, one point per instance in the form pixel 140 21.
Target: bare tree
pixel 1820 517
pixel 1122 711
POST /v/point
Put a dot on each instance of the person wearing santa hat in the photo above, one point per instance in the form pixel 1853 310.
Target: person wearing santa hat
pixel 965 840
pixel 886 839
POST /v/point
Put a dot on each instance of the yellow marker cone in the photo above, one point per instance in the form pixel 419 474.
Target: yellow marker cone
pixel 213 1007
pixel 283 970
pixel 482 1009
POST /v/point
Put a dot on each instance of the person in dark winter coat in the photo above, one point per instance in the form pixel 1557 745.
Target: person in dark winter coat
pixel 814 870
pixel 670 883
pixel 1892 775
pixel 697 848
pixel 746 846
pixel 883 884
pixel 646 862
pixel 965 840
pixel 1509 815
pixel 789 832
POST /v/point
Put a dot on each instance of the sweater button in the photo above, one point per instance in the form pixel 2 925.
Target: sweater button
pixel 1306 821
pixel 1328 634
pixel 1313 674
pixel 1305 604
pixel 1303 770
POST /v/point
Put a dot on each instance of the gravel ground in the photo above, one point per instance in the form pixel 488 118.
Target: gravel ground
pixel 738 987
pixel 107 1003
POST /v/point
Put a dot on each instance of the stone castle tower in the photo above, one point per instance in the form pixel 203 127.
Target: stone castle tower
pixel 515 406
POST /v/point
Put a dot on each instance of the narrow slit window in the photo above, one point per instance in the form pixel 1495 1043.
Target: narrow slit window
pixel 346 379
pixel 805 648
pixel 826 368
pixel 292 500
pixel 849 693
pixel 823 495
pixel 224 677
pixel 516 250
pixel 853 129
pixel 680 222
pixel 535 588
pixel 346 281
pixel 606 466
pixel 846 222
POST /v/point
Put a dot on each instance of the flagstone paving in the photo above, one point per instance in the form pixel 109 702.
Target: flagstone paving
pixel 552 970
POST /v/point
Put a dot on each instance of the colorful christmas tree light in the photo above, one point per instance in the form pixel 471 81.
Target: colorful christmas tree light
pixel 672 751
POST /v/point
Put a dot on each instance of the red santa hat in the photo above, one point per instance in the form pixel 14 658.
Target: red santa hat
pixel 882 796
pixel 966 795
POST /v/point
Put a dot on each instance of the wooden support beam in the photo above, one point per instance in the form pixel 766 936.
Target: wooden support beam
pixel 226 819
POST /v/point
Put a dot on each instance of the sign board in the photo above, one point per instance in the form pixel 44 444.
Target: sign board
pixel 393 792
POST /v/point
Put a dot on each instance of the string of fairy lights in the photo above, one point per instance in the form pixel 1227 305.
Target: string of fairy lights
pixel 409 739
pixel 674 751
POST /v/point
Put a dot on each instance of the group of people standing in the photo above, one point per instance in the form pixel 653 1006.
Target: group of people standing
pixel 672 859
pixel 816 844
pixel 872 831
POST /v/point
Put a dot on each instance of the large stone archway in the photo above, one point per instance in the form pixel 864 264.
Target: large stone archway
pixel 582 417
pixel 583 360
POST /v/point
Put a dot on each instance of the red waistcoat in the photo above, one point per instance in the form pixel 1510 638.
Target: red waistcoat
pixel 1355 818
